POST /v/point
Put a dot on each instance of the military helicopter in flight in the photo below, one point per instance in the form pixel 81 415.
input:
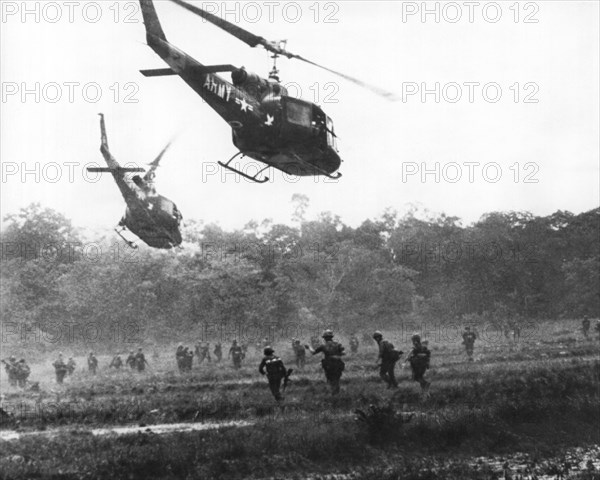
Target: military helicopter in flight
pixel 152 217
pixel 267 124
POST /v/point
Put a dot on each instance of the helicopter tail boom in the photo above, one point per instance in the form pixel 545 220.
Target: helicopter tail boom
pixel 153 26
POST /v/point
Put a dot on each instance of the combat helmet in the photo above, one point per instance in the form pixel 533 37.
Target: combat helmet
pixel 377 334
pixel 327 334
pixel 416 338
pixel 268 351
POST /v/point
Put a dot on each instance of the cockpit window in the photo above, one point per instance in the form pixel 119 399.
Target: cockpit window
pixel 299 113
pixel 331 134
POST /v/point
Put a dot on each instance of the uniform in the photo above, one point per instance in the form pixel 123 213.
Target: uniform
pixel 275 371
pixel 419 359
pixel 71 366
pixel 22 373
pixel 332 362
pixel 92 362
pixel 188 359
pixel 131 360
pixel 388 356
pixel 140 361
pixel 61 369
pixel 237 354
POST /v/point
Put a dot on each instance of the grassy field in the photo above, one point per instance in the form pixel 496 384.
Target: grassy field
pixel 537 397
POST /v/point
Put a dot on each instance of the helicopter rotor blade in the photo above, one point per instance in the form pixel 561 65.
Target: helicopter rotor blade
pixel 155 163
pixel 238 32
pixel 377 90
pixel 275 47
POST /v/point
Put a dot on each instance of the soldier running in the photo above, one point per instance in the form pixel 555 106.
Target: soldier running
pixel 71 366
pixel 388 356
pixel 60 368
pixel 237 354
pixel 275 371
pixel 332 363
pixel 419 362
pixel 469 338
pixel 140 360
pixel 131 360
pixel 92 362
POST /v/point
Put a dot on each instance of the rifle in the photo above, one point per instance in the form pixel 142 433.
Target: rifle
pixel 286 379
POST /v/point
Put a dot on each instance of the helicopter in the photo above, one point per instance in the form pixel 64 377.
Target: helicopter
pixel 153 218
pixel 268 125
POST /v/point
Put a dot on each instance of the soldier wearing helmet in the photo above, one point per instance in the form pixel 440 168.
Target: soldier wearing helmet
pixel 332 362
pixel 386 361
pixel 419 362
pixel 275 371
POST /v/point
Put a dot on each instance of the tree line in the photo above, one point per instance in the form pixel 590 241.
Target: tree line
pixel 418 267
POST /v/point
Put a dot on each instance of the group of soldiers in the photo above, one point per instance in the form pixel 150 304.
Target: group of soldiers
pixel 185 356
pixel 237 353
pixel 271 365
pixel 18 371
pixel 333 365
pixel 135 361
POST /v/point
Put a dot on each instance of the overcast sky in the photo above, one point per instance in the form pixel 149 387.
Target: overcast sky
pixel 512 107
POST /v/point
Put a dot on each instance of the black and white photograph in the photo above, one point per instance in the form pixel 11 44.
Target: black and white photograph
pixel 308 240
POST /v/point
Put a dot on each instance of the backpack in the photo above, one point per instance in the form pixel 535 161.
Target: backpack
pixel 274 366
pixel 389 353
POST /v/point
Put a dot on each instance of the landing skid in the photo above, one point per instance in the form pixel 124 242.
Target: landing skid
pixel 128 242
pixel 318 170
pixel 254 178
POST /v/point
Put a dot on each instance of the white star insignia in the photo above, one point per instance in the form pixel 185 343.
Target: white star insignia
pixel 244 105
pixel 269 121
